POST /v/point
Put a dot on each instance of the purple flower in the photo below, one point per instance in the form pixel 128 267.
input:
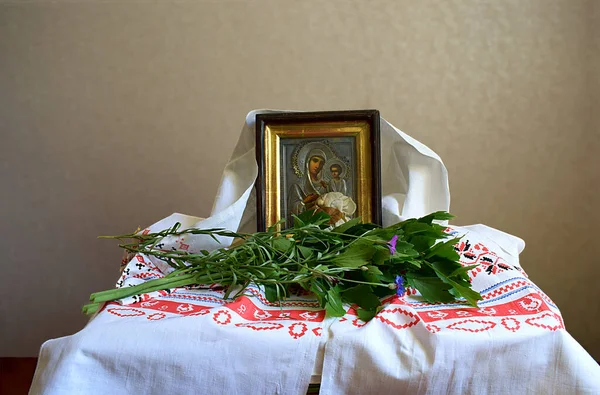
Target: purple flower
pixel 392 244
pixel 399 286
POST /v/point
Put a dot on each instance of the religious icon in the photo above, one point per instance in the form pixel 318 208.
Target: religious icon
pixel 326 161
pixel 317 171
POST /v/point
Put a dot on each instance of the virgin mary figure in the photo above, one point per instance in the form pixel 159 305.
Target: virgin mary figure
pixel 303 195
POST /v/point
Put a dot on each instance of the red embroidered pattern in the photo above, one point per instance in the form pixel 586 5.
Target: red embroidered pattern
pixel 146 275
pixel 480 326
pixel 199 297
pixel 222 317
pixel 261 326
pixel 526 305
pixel 246 308
pixel 125 312
pixel 357 322
pixel 201 312
pixel 290 303
pixel 433 328
pixel 506 288
pixel 512 324
pixel 297 330
pixel 393 319
pixel 548 320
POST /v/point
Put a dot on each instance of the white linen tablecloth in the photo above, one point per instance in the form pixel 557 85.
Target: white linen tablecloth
pixel 192 341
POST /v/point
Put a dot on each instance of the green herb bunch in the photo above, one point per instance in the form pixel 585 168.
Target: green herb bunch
pixel 356 263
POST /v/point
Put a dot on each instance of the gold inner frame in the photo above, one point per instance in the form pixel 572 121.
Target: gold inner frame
pixel 360 130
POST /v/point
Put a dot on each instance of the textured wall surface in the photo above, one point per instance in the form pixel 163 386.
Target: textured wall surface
pixel 116 114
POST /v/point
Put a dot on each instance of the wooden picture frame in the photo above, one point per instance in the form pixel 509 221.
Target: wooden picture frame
pixel 302 156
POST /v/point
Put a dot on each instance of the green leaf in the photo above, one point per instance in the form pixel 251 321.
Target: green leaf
pixel 273 228
pixel 317 289
pixel 422 243
pixel 358 254
pixel 468 293
pixel 445 266
pixel 306 252
pixel 433 289
pixel 388 275
pixel 415 263
pixel 463 270
pixel 230 286
pixel 347 225
pixel 382 292
pixel 334 307
pixel 365 314
pixel 90 308
pixel 375 270
pixel 312 217
pixel 361 229
pixel 444 250
pixel 381 255
pixel 414 228
pixel 462 286
pixel 282 244
pixel 298 223
pixel 440 229
pixel 385 234
pixel 401 254
pixel 417 232
pixel 438 215
pixel 372 274
pixel 405 248
pixel 271 293
pixel 362 295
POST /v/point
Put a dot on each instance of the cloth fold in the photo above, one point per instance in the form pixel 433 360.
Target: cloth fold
pixel 413 177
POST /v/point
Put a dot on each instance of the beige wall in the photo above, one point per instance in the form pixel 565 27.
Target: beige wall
pixel 114 115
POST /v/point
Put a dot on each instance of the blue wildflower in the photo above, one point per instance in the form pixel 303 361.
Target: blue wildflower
pixel 400 290
pixel 392 244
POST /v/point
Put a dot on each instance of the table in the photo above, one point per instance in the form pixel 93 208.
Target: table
pixel 190 340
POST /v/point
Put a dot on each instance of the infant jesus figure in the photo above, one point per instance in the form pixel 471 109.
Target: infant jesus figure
pixel 337 184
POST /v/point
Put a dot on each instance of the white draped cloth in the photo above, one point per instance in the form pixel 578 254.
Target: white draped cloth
pixel 191 340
